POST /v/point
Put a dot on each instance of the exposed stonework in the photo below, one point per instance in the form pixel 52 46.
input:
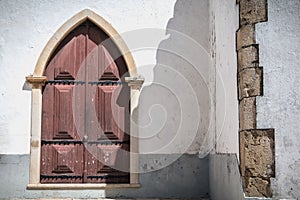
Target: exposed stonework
pixel 256 146
pixel 250 82
pixel 257 165
pixel 258 149
pixel 247 113
pixel 245 36
pixel 248 57
pixel 258 187
pixel 253 11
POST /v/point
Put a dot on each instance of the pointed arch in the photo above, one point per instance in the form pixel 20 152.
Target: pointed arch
pixel 38 79
pixel 70 25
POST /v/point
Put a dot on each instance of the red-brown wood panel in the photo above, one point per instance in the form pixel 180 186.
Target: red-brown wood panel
pixel 59 100
pixel 64 127
pixel 107 163
pixel 111 117
pixel 47 113
pixel 68 57
pixel 103 157
pixel 63 113
pixel 92 63
pixel 62 163
pixel 85 113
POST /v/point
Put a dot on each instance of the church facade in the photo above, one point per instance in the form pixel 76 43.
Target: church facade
pixel 181 99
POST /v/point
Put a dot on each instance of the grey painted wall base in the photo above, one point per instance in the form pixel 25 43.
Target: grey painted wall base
pixel 216 176
pixel 225 181
pixel 224 177
pixel 186 178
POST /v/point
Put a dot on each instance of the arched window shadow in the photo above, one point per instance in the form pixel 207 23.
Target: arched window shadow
pixel 182 75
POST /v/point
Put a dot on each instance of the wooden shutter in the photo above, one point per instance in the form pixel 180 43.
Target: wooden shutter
pixel 85 112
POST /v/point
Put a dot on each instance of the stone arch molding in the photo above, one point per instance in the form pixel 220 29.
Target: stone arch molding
pixel 71 24
pixel 38 79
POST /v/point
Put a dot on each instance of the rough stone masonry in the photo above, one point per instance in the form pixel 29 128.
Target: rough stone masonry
pixel 257 160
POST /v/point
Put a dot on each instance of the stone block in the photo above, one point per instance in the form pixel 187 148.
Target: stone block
pixel 258 187
pixel 248 57
pixel 257 161
pixel 245 36
pixel 253 11
pixel 247 107
pixel 250 82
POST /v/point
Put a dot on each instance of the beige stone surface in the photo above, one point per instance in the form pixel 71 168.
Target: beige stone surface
pixel 250 82
pixel 245 36
pixel 247 113
pixel 35 144
pixel 253 11
pixel 257 187
pixel 248 57
pixel 257 160
pixel 256 146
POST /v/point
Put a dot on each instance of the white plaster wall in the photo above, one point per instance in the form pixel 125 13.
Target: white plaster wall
pixel 178 109
pixel 26 27
pixel 279 107
pixel 198 84
pixel 225 22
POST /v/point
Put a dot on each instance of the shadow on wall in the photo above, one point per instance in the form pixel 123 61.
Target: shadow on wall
pixel 175 110
pixel 179 105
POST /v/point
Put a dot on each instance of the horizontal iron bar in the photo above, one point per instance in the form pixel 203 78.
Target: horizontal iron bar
pixel 107 176
pixel 106 83
pixel 65 82
pixel 61 142
pixel 43 176
pixel 74 82
pixel 106 142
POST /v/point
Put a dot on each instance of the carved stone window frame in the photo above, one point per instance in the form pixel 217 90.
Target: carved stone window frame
pixel 37 80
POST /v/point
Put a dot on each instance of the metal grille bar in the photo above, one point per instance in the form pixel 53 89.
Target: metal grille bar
pixel 43 176
pixel 107 176
pixel 74 82
pixel 105 142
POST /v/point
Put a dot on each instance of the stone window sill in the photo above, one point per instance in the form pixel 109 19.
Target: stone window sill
pixel 79 186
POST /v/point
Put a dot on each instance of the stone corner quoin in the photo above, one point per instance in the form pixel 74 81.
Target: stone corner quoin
pixel 256 145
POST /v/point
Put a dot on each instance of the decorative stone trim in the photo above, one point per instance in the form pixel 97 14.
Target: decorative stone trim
pixel 79 186
pixel 135 82
pixel 36 81
pixel 257 160
pixel 72 23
